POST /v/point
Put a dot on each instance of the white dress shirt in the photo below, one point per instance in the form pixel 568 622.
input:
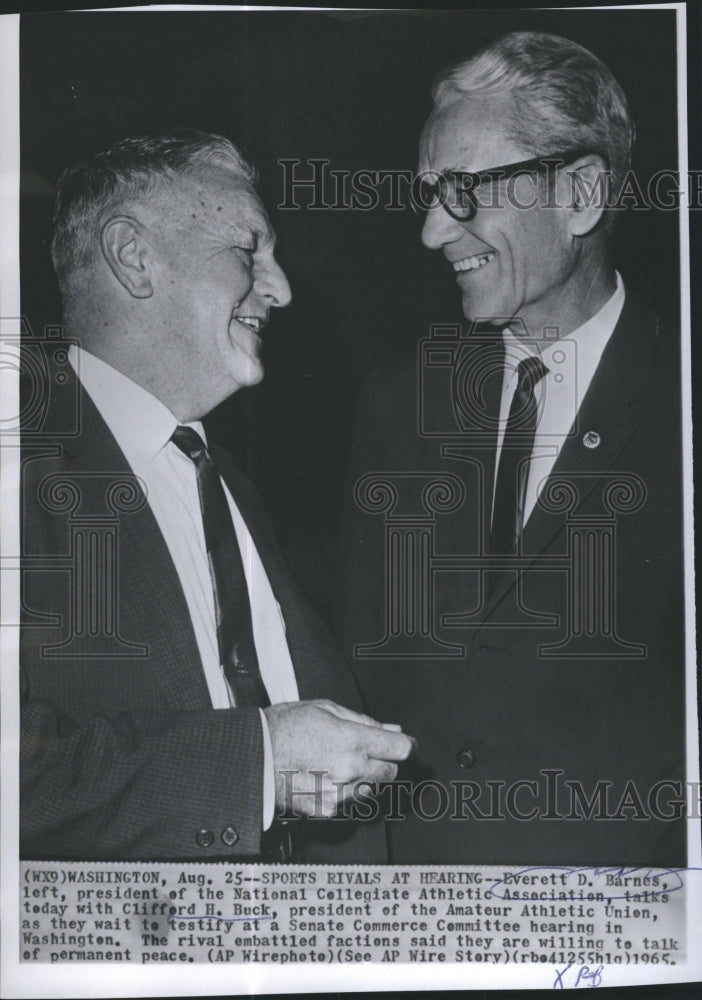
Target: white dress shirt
pixel 142 427
pixel 571 362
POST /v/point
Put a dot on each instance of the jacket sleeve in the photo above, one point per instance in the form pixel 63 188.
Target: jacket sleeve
pixel 140 786
pixel 121 755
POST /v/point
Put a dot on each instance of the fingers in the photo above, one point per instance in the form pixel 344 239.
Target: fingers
pixel 321 737
pixel 384 744
pixel 380 770
pixel 349 715
pixel 381 741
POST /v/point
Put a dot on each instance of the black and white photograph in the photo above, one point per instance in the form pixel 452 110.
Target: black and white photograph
pixel 348 566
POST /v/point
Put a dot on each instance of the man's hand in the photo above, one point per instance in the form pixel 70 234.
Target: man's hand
pixel 321 736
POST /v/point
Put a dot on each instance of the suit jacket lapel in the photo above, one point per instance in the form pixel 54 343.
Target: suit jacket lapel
pixel 609 408
pixel 143 555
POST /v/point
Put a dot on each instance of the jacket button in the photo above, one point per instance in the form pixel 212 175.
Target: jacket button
pixel 204 838
pixel 466 758
pixel 229 836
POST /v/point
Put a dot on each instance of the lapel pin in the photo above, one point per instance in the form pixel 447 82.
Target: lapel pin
pixel 591 439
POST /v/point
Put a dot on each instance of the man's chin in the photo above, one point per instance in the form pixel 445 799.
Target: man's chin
pixel 244 366
pixel 249 373
pixel 489 314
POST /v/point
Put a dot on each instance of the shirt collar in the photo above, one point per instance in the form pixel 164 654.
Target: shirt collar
pixel 132 413
pixel 594 334
pixel 591 337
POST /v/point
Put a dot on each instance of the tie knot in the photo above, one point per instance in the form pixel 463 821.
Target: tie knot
pixel 530 371
pixel 189 442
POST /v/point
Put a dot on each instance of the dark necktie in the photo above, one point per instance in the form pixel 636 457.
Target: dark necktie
pixel 237 652
pixel 513 470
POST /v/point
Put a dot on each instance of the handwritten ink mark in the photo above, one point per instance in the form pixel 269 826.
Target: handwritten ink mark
pixel 558 982
pixel 223 920
pixel 590 977
pixel 586 977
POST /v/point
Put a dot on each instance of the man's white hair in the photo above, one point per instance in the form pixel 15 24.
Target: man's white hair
pixel 93 188
pixel 564 97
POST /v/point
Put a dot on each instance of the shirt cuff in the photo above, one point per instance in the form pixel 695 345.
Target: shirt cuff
pixel 268 775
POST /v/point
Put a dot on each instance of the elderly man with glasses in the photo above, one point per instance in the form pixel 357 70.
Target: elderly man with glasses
pixel 529 628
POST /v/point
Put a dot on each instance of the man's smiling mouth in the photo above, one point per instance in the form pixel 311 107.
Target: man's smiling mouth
pixel 255 323
pixel 473 263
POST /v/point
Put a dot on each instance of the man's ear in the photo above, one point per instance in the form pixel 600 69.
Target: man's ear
pixel 125 251
pixel 588 180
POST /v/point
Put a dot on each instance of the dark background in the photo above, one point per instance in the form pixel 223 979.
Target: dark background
pixel 353 89
pixel 350 88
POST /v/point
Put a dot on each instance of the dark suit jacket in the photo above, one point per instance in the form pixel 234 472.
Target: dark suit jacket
pixel 507 709
pixel 122 756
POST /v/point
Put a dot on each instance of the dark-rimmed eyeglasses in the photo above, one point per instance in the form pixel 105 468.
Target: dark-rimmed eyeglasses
pixel 455 190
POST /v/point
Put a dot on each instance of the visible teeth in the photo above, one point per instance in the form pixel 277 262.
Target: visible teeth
pixel 471 263
pixel 253 322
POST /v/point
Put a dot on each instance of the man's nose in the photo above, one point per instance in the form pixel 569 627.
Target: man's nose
pixel 271 284
pixel 440 228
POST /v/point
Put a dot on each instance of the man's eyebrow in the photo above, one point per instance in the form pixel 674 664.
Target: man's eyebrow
pixel 448 170
pixel 254 234
pixel 458 169
pixel 246 236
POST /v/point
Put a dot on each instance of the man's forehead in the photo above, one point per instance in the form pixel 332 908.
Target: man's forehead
pixel 212 193
pixel 468 133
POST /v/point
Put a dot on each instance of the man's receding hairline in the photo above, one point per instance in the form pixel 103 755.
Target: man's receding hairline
pixel 159 186
pixel 441 111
